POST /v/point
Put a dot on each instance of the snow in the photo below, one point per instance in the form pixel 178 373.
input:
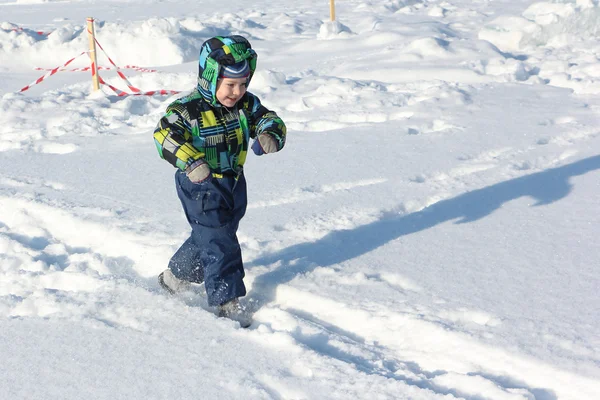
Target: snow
pixel 429 231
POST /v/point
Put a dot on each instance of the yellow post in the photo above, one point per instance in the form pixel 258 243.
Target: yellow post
pixel 93 58
pixel 332 9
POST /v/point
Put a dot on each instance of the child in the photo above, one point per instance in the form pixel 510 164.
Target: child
pixel 205 135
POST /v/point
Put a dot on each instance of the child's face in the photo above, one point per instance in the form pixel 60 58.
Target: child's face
pixel 230 90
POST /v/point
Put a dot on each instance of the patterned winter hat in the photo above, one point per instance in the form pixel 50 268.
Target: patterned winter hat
pixel 216 54
pixel 237 70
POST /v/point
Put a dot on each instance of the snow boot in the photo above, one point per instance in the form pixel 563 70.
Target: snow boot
pixel 172 284
pixel 236 312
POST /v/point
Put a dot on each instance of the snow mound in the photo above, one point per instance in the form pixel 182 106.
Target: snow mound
pixel 560 38
pixel 178 41
pixel 333 29
pixel 556 24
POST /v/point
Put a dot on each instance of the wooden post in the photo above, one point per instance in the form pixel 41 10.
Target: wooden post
pixel 332 9
pixel 93 58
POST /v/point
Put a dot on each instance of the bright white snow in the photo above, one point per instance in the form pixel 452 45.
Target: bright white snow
pixel 429 231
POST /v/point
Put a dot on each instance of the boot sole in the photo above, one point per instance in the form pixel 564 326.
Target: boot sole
pixel 161 282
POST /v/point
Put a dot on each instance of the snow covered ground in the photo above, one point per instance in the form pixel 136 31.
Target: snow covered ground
pixel 429 231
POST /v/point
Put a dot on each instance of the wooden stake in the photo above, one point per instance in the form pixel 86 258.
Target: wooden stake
pixel 93 58
pixel 332 9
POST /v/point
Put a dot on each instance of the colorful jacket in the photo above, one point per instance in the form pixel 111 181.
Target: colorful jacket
pixel 197 126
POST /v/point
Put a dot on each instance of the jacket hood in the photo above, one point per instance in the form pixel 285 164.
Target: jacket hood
pixel 219 51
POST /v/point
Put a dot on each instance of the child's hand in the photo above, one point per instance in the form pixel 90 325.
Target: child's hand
pixel 198 171
pixel 264 144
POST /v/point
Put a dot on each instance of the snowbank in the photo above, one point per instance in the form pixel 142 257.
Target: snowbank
pixel 560 37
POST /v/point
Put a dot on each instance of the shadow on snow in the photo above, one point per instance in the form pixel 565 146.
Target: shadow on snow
pixel 338 246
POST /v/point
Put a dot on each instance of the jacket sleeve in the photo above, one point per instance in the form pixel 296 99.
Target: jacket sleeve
pixel 173 139
pixel 262 120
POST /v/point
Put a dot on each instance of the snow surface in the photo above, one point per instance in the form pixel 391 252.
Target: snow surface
pixel 430 230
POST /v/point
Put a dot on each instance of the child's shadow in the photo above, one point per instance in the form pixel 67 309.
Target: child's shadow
pixel 546 187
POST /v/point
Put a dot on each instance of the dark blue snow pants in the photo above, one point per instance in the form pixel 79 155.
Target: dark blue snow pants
pixel 212 253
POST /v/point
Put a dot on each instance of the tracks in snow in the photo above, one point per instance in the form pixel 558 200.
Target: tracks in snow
pixel 424 354
pixel 42 242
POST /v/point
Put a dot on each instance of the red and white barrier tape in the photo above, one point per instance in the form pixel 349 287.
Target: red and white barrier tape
pixel 94 69
pixel 51 72
pixel 121 93
pixel 121 75
pixel 138 69
pixel 20 29
pixel 136 91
